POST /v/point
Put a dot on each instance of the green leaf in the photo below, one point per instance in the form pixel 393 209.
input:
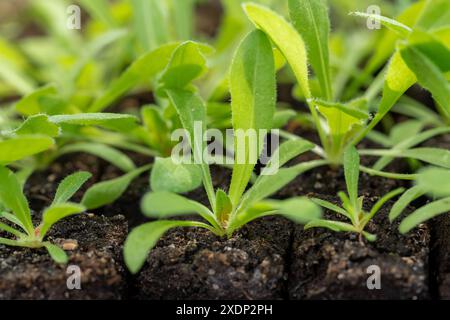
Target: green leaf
pixel 57 212
pixel 223 206
pixel 113 121
pixel 281 118
pixel 170 176
pixel 377 206
pixel 425 213
pixel 435 181
pixel 330 206
pixel 349 109
pixel 156 126
pixel 143 238
pixel 159 205
pixel 151 22
pixel 12 197
pixel 253 95
pixel 69 186
pixel 435 14
pixel 43 100
pixel 106 192
pixel 192 112
pixel 300 210
pixel 57 254
pixel 117 158
pixel 332 225
pixel 435 156
pixel 287 151
pixel 286 38
pixel 351 170
pixel 310 18
pixel 38 124
pixel 145 68
pixel 186 64
pixel 400 205
pixel 21 147
pixel 392 24
pixel 429 76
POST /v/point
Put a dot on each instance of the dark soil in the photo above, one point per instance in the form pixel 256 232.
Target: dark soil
pixel 440 241
pixel 329 265
pixel 31 273
pixel 194 264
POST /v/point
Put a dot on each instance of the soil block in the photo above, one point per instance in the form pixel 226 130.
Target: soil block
pixel 191 263
pixel 330 265
pixel 95 243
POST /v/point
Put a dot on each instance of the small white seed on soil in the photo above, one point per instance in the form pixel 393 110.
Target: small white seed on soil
pixel 70 245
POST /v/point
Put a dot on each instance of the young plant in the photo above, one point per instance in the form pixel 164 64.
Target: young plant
pixel 434 182
pixel 252 82
pixel 341 124
pixel 17 212
pixel 352 205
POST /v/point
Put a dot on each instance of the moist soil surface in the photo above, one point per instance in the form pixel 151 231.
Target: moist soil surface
pixel 96 243
pixel 329 265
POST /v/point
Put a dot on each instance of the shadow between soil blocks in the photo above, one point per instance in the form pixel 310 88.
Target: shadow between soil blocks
pixel 330 265
pixel 96 244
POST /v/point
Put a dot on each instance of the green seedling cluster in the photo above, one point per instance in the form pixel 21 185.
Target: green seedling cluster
pixel 139 71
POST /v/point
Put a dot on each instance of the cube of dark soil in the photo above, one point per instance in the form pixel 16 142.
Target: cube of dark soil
pixel 330 265
pixel 195 264
pixel 96 243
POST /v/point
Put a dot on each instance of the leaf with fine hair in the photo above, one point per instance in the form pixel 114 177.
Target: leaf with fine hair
pixel 69 186
pixel 192 113
pixel 143 238
pixel 163 205
pixel 175 177
pixel 113 121
pixel 400 205
pixel 12 197
pixel 435 181
pixel 57 254
pixel 392 24
pixel 20 147
pixel 310 18
pixel 38 124
pixel 145 68
pixel 253 97
pixel 425 213
pixel 286 38
pixel 429 76
pixel 114 156
pixel 107 192
pixel 57 212
pixel 351 170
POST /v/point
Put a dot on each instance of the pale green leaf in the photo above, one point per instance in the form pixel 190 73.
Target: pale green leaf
pixel 425 213
pixel 57 212
pixel 23 146
pixel 400 205
pixel 69 186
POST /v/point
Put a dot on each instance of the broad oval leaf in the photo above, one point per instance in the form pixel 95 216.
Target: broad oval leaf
pixel 253 95
pixel 57 254
pixel 70 185
pixel 170 176
pixel 21 147
pixel 106 192
pixel 57 212
pixel 12 197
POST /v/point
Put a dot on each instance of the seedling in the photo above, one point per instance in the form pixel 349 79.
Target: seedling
pixel 352 205
pixel 252 82
pixel 17 212
pixel 434 182
pixel 341 124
